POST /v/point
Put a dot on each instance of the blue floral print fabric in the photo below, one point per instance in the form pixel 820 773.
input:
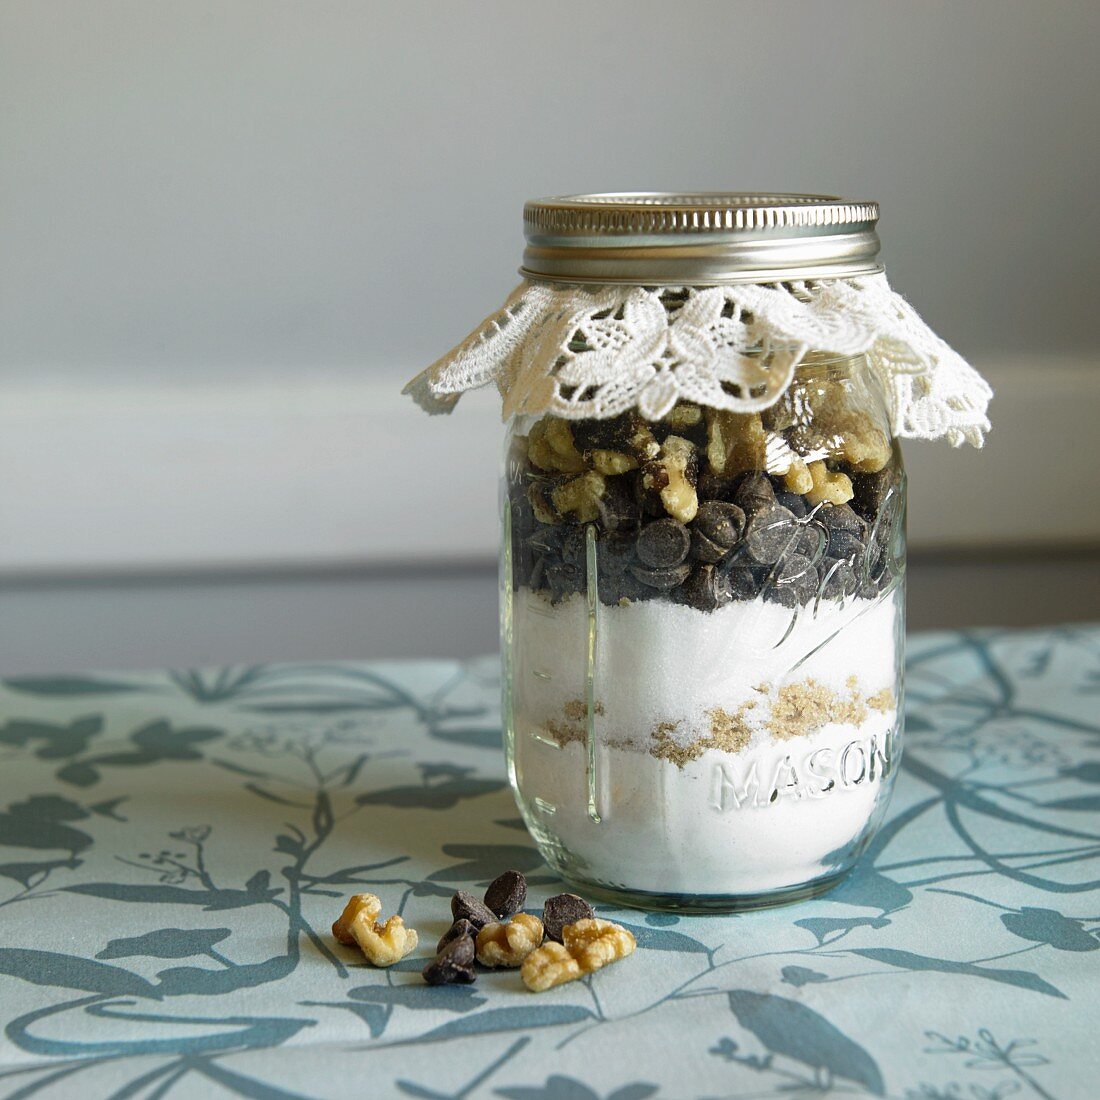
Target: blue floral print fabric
pixel 174 847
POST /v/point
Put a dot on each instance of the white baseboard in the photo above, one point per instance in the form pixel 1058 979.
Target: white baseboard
pixel 329 470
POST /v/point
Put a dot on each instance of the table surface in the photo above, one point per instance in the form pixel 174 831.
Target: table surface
pixel 176 845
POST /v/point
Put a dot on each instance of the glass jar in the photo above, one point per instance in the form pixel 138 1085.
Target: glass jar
pixel 702 658
pixel 703 616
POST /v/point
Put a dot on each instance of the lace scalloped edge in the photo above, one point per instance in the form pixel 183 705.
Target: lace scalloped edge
pixel 595 352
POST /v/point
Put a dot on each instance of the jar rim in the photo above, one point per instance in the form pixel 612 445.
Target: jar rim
pixel 658 238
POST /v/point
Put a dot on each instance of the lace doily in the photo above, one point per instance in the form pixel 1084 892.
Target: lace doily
pixel 592 353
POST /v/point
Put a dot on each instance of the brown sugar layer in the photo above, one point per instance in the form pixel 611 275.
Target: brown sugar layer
pixel 795 710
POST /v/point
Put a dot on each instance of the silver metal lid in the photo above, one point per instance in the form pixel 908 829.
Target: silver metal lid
pixel 661 238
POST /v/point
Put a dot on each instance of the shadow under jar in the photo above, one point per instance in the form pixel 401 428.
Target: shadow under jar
pixel 703 640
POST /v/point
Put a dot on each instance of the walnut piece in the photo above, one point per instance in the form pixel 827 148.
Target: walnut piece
pixel 581 496
pixel 588 945
pixel 509 943
pixel 594 943
pixel 674 474
pixel 613 462
pixel 383 944
pixel 550 446
pixel 828 486
pixel 549 966
pixel 798 478
pixel 341 927
pixel 735 442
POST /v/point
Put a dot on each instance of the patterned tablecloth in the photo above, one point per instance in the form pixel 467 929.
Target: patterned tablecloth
pixel 174 846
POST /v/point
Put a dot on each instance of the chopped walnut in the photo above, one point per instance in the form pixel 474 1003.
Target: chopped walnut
pixel 828 486
pixel 613 462
pixel 588 945
pixel 508 944
pixel 594 943
pixel 341 927
pixel 550 965
pixel 684 415
pixel 382 944
pixel 550 446
pixel 674 474
pixel 581 496
pixel 798 478
pixel 735 442
pixel 865 447
pixel 540 506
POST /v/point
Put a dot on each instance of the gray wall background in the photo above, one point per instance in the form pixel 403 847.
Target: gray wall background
pixel 195 187
pixel 196 191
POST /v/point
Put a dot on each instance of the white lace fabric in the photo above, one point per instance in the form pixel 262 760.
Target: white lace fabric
pixel 595 352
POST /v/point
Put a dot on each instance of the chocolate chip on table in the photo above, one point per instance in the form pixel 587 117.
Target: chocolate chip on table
pixel 662 544
pixel 661 579
pixel 563 909
pixel 454 965
pixel 506 894
pixel 770 531
pixel 464 906
pixel 457 931
pixel 707 589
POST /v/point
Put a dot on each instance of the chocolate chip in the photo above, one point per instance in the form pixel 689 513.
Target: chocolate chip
pixel 564 580
pixel 454 964
pixel 844 544
pixel 464 906
pixel 793 580
pixel 810 541
pixel 716 487
pixel 662 544
pixel 871 491
pixel 840 517
pixel 793 503
pixel 563 909
pixel 707 589
pixel 661 579
pixel 457 931
pixel 838 579
pixel 743 583
pixel 721 523
pixel 792 567
pixel 702 549
pixel 615 434
pixel 754 491
pixel 770 531
pixel 506 894
pixel 618 507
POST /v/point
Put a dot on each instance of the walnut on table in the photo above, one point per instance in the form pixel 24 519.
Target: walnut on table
pixel 384 943
pixel 588 945
pixel 509 943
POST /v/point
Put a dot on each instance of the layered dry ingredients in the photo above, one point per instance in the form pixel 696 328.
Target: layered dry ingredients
pixel 745 615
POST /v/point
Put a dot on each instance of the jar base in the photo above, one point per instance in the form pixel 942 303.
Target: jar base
pixel 707 903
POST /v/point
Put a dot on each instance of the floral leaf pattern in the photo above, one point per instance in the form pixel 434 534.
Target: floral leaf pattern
pixel 174 847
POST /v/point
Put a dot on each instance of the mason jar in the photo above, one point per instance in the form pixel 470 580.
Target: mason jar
pixel 703 612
